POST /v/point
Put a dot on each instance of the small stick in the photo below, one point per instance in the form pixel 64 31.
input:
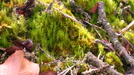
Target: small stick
pixel 65 71
pixel 127 27
pixel 49 8
pixel 46 53
pixel 3 49
pixel 105 44
pixel 38 46
pixel 94 26
pixel 94 61
pixel 98 32
pixel 112 34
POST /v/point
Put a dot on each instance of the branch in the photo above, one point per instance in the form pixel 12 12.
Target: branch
pixel 93 60
pixel 106 44
pixel 102 20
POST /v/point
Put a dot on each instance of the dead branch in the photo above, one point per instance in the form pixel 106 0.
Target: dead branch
pixel 93 60
pixel 117 45
pixel 106 44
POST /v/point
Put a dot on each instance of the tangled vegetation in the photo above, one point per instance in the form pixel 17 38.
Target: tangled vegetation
pixel 61 36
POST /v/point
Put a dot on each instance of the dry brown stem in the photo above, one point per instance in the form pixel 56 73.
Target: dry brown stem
pixel 117 45
pixel 93 60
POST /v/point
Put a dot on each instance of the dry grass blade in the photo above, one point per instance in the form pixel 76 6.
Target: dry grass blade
pixel 127 27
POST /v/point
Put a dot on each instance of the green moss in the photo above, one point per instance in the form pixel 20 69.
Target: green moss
pixel 128 35
pixel 57 34
pixel 112 59
pixel 101 49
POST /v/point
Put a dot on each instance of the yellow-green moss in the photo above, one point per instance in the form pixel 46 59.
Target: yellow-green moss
pixel 112 59
pixel 57 34
pixel 128 36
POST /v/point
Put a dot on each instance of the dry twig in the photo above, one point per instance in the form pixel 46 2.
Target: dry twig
pixel 38 47
pixel 65 71
pixel 117 45
pixel 95 26
pixel 90 71
pixel 93 60
pixel 106 44
pixel 127 27
pixel 49 8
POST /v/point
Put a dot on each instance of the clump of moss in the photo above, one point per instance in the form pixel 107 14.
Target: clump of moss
pixel 112 59
pixel 57 34
pixel 128 35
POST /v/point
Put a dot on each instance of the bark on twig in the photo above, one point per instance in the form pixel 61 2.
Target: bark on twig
pixel 103 20
pixel 126 10
pixel 93 60
pixel 106 44
pixel 79 10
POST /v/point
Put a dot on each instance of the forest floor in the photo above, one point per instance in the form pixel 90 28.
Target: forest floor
pixel 68 37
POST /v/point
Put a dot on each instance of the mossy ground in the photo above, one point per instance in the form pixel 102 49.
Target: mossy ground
pixel 57 34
